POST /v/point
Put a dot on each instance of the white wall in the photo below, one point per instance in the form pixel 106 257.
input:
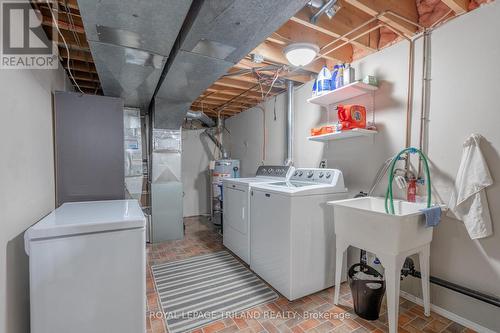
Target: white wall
pixel 197 151
pixel 247 136
pixel 26 178
pixel 464 100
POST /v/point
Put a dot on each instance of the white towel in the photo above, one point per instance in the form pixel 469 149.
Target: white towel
pixel 468 201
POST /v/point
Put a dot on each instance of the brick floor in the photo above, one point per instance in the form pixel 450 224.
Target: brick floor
pixel 314 313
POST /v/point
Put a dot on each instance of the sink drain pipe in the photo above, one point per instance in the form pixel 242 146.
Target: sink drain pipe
pixel 409 270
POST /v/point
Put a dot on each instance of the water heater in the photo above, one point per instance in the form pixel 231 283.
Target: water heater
pixel 225 168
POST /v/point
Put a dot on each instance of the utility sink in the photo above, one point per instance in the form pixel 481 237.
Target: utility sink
pixel 365 222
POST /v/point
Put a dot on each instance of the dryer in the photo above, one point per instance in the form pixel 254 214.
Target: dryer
pixel 292 235
pixel 236 236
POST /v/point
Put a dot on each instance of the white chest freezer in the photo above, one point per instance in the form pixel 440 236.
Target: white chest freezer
pixel 87 265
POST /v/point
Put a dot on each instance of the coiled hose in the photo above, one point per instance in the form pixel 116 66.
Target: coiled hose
pixel 389 208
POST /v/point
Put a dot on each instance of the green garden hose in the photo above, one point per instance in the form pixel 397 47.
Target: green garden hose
pixel 389 209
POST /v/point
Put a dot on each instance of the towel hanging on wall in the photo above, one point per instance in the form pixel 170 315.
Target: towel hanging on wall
pixel 468 201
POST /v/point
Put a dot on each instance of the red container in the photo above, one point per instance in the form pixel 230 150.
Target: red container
pixel 352 116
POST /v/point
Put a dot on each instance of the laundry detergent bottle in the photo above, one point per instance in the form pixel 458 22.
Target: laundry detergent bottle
pixel 323 82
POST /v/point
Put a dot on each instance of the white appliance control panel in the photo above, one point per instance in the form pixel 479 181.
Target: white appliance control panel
pixel 324 176
pixel 274 171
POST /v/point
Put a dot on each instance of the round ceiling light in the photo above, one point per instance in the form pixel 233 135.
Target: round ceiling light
pixel 300 54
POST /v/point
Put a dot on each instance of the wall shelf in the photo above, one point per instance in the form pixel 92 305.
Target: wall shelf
pixel 341 94
pixel 342 135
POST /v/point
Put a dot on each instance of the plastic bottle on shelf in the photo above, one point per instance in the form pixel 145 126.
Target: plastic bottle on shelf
pixel 323 83
pixel 339 79
pixel 335 72
pixel 348 74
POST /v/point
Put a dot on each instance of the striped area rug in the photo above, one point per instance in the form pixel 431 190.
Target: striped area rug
pixel 196 291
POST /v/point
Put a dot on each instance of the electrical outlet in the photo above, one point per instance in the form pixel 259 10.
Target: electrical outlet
pixel 323 164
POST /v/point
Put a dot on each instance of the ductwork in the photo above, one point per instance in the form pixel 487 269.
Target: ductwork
pixel 130 42
pixel 209 132
pixel 161 55
pixel 201 116
pixel 215 35
pixel 326 7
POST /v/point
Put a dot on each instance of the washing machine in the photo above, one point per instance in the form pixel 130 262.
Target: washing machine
pixel 236 236
pixel 292 233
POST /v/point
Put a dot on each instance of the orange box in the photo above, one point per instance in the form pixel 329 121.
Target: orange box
pixel 322 130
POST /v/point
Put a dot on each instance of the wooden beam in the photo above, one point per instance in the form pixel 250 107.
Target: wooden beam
pixel 215 105
pixel 346 19
pixel 217 101
pixel 247 78
pixel 72 4
pixel 81 76
pixel 224 90
pixel 228 110
pixel 81 66
pixel 458 6
pixel 405 8
pixel 293 31
pixel 232 83
pixel 228 93
pixel 81 55
pixel 221 99
pixel 73 46
pixel 248 64
pixel 88 85
pixel 49 22
pixel 297 76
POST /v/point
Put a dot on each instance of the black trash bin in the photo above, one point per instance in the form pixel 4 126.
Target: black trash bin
pixel 367 288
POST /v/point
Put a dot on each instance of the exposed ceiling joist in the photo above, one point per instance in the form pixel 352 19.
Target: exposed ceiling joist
pixel 70 24
pixel 294 32
pixel 233 83
pixel 63 25
pixel 215 103
pixel 222 99
pixel 81 55
pixel 405 8
pixel 331 27
pixel 222 91
pixel 82 66
pixel 211 111
pixel 89 85
pixel 240 91
pixel 292 74
pixel 73 4
pixel 458 6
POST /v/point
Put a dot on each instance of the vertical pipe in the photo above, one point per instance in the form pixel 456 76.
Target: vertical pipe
pixel 425 96
pixel 289 122
pixel 409 102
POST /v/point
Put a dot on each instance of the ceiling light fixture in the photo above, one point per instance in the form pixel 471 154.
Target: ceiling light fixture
pixel 301 54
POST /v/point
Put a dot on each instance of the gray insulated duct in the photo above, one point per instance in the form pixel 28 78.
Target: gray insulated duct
pixel 130 41
pixel 216 34
pixel 201 116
